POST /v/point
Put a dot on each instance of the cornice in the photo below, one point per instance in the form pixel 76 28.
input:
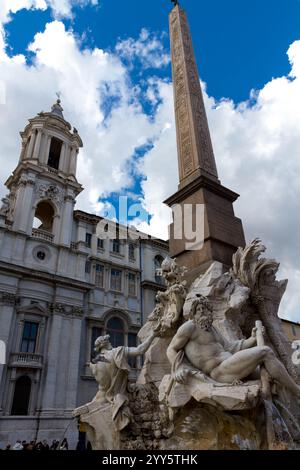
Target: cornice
pixel 153 286
pixel 201 182
pixel 43 276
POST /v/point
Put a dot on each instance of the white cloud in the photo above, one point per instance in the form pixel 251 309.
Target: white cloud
pixel 61 8
pixel 147 49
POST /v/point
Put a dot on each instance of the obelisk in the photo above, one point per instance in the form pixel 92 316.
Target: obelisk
pixel 198 177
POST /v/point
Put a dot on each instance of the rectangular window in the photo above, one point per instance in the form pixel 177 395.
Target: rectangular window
pixel 116 280
pixel 96 332
pixel 116 246
pixel 132 343
pixel 100 243
pixel 99 275
pixel 88 239
pixel 131 284
pixel 131 250
pixel 87 267
pixel 29 337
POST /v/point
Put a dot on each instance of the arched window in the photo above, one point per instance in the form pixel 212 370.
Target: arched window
pixel 21 396
pixel 157 266
pixel 115 329
pixel 54 154
pixel 43 217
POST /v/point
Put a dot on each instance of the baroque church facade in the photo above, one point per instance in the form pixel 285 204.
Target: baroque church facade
pixel 61 286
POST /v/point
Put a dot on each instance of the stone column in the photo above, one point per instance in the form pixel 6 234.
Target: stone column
pixel 7 311
pixel 126 287
pixel 31 145
pixel 37 145
pixel 22 151
pixel 47 151
pixel 73 161
pixel 81 232
pixel 56 228
pixel 52 356
pixel 23 208
pixel 125 246
pixel 62 159
pixel 80 266
pixel 106 280
pixel 66 221
pixel 73 370
pixel 94 245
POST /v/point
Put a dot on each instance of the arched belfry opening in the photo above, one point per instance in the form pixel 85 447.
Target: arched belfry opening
pixel 44 216
pixel 54 153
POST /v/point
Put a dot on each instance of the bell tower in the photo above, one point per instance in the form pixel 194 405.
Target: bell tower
pixel 43 187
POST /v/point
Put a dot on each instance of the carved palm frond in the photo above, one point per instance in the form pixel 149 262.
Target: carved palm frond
pixel 248 268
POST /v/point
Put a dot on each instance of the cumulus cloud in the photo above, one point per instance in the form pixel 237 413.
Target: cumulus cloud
pixel 148 49
pixel 61 8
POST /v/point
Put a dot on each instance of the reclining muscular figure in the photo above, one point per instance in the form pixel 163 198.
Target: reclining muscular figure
pixel 198 345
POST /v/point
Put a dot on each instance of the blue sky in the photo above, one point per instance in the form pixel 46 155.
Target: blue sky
pixel 110 60
pixel 239 45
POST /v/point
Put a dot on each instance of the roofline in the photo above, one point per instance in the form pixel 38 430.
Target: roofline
pixel 94 219
pixel 289 321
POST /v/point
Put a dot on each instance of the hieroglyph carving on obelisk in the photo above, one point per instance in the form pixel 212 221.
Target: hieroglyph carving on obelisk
pixel 195 151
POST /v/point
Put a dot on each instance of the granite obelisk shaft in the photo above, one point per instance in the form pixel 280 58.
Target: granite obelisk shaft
pixel 198 177
pixel 195 151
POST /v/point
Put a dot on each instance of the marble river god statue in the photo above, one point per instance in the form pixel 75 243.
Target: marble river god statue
pixel 217 371
pixel 199 346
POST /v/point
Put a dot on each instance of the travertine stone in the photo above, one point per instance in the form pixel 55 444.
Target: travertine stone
pixel 231 398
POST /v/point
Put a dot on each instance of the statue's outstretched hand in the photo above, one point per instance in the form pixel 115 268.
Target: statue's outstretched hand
pixel 181 375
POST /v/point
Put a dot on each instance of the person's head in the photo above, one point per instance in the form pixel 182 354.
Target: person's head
pixel 103 343
pixel 201 312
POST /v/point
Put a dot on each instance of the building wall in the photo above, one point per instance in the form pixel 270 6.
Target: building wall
pixel 292 330
pixel 63 299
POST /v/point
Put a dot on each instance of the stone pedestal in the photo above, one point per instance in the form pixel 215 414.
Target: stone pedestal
pixel 222 231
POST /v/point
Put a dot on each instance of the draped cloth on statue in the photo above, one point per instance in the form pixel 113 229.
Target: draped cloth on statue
pixel 117 392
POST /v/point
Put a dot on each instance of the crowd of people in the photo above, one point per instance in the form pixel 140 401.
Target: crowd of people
pixel 39 445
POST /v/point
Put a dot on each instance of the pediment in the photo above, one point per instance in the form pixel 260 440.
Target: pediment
pixel 34 309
